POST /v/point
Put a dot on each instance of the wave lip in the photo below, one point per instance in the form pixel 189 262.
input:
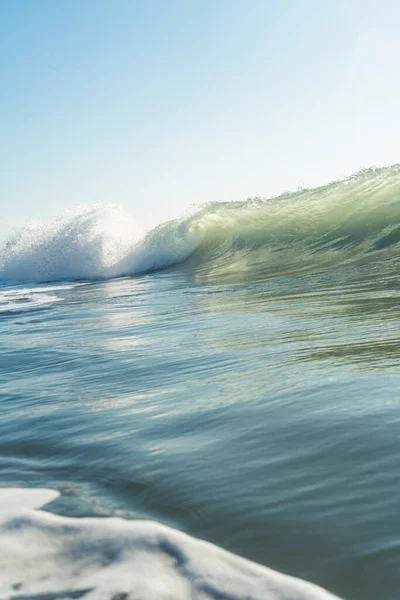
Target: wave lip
pixel 47 555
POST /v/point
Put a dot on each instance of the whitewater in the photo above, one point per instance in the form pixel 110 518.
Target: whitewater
pixel 208 409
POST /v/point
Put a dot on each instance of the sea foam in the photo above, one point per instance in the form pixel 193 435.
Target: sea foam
pixel 44 555
pixel 79 245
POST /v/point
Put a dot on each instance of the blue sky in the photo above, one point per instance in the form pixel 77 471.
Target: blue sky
pixel 160 105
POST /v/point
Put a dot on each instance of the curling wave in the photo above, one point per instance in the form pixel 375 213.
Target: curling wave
pixel 354 221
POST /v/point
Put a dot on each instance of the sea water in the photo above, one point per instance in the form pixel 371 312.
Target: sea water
pixel 232 375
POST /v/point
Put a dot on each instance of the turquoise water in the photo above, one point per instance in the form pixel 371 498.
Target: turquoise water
pixel 247 394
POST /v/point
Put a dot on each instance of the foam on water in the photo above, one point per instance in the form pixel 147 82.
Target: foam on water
pixel 19 298
pixel 16 302
pixel 80 245
pixel 355 221
pixel 44 555
pixel 14 501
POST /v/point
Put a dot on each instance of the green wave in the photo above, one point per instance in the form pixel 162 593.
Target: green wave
pixel 354 221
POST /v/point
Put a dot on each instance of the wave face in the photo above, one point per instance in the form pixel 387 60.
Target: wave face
pixel 355 221
pixel 47 556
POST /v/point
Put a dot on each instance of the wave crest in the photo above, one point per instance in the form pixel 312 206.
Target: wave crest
pixel 354 221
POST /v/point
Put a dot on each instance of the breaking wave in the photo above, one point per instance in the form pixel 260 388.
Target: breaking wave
pixel 354 221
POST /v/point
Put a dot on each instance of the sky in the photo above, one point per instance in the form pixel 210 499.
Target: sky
pixel 163 105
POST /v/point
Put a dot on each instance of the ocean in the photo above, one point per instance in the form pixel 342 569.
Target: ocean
pixel 226 387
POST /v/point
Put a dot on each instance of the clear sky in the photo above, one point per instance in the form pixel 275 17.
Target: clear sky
pixel 159 105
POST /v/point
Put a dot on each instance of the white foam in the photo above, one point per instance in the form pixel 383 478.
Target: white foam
pixel 15 501
pixel 20 301
pixel 40 289
pixel 98 559
pixel 79 245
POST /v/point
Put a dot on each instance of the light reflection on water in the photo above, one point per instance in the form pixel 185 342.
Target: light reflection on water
pixel 262 417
